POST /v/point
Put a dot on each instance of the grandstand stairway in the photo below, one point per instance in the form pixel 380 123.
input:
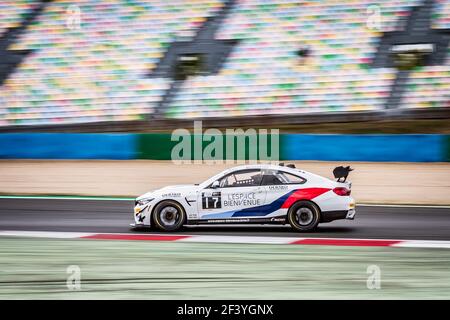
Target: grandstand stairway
pixel 12 58
pixel 397 89
pixel 205 43
pixel 417 29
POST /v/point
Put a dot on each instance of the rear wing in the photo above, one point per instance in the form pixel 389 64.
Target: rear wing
pixel 341 173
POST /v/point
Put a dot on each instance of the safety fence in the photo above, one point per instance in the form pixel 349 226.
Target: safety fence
pixel 166 146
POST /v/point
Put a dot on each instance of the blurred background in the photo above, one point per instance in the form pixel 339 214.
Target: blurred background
pixel 110 80
pixel 146 65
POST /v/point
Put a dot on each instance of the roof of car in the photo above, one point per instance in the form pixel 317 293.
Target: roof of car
pixel 264 166
pixel 259 166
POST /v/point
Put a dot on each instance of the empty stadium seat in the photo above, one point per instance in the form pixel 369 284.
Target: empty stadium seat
pixel 264 75
pixel 428 87
pixel 441 16
pixel 13 11
pixel 97 70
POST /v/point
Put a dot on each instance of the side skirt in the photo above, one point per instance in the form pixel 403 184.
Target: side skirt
pixel 271 220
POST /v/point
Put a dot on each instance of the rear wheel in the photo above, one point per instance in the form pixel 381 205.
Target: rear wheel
pixel 169 215
pixel 304 216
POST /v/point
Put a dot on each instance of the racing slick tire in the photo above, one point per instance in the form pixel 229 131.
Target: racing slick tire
pixel 169 215
pixel 303 216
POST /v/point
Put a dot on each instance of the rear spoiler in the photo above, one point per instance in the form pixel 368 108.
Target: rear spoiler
pixel 341 173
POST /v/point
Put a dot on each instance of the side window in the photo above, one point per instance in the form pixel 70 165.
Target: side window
pixel 243 178
pixel 276 177
pixel 270 179
pixel 292 179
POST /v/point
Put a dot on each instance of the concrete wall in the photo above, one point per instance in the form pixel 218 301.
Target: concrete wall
pixel 326 147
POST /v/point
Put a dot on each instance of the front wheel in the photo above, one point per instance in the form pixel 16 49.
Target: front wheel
pixel 169 216
pixel 304 216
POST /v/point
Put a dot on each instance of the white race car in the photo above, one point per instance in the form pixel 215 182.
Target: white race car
pixel 259 194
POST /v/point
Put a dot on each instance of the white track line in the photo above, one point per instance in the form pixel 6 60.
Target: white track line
pixel 423 244
pixel 44 234
pixel 239 239
pixel 236 239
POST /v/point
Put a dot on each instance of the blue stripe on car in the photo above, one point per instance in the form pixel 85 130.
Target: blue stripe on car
pixel 263 210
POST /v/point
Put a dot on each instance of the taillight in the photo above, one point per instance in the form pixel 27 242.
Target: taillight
pixel 341 191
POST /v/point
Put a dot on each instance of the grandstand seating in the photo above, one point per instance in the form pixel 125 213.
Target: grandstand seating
pixel 428 87
pixel 13 11
pixel 98 72
pixel 264 75
pixel 441 16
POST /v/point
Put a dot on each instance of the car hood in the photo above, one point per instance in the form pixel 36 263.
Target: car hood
pixel 180 188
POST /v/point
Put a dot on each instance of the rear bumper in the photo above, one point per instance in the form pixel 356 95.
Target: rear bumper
pixel 327 216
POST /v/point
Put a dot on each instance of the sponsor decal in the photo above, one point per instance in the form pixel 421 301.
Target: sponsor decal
pixel 211 200
pixel 137 211
pixel 277 188
pixel 241 200
pixel 283 202
pixel 227 220
pixel 189 201
pixel 171 195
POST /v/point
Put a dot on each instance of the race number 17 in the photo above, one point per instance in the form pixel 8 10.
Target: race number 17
pixel 211 201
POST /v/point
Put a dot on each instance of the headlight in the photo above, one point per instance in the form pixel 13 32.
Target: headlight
pixel 143 201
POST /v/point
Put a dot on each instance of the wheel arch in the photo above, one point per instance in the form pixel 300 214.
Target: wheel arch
pixel 305 200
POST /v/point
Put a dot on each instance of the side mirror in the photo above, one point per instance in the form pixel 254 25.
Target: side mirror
pixel 215 184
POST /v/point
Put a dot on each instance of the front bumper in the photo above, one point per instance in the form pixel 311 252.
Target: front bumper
pixel 142 216
pixel 328 216
pixel 138 226
pixel 351 214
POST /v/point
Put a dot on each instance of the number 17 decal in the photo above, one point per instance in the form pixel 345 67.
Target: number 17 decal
pixel 213 201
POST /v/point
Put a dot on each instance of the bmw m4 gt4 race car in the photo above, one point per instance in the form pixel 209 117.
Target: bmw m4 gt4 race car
pixel 259 194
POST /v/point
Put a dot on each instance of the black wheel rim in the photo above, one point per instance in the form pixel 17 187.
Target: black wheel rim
pixel 304 216
pixel 169 216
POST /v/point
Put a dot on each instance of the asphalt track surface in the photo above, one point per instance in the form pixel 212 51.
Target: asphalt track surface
pixel 112 216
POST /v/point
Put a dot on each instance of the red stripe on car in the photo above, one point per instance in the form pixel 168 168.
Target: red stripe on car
pixel 303 194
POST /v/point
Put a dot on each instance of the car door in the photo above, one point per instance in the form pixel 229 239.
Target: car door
pixel 238 195
pixel 278 185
